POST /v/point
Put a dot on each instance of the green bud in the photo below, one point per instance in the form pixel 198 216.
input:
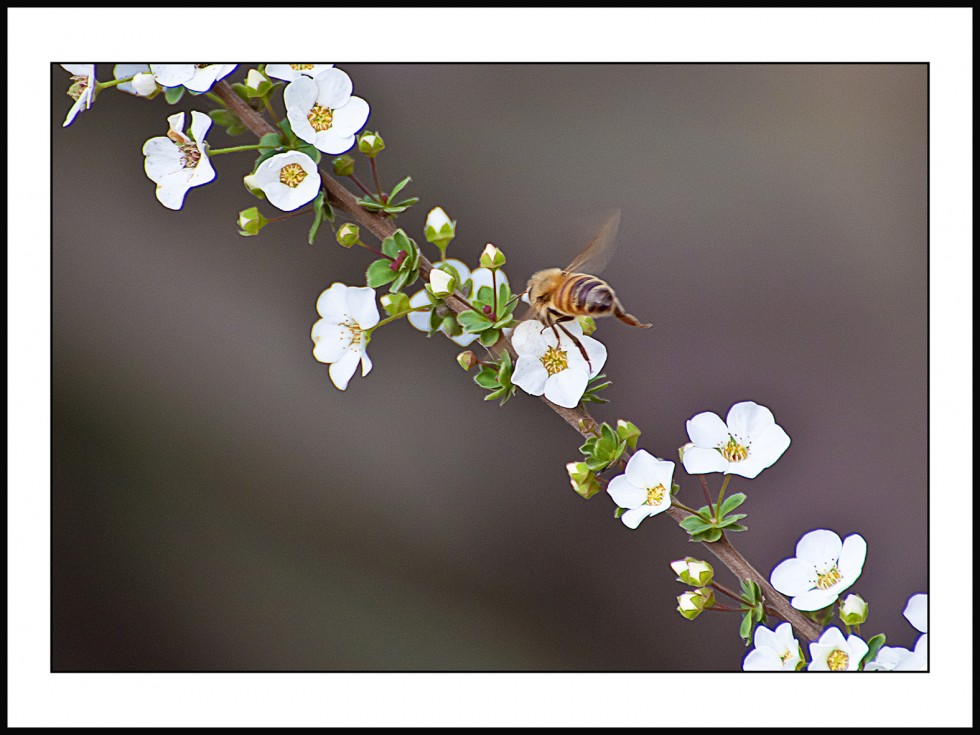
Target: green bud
pixel 707 596
pixel 439 229
pixel 343 166
pixel 250 221
pixel 853 610
pixel 348 234
pixel 467 360
pixel 628 432
pixel 370 144
pixel 492 258
pixel 693 571
pixel 257 84
pixel 395 303
pixel 251 183
pixel 690 604
pixel 441 283
pixel 588 325
pixel 584 481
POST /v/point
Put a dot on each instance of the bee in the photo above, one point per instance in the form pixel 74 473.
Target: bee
pixel 559 295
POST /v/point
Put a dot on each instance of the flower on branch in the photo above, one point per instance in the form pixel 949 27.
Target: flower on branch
pixel 292 72
pixel 775 650
pixel 322 111
pixel 551 364
pixel 339 337
pixel 645 488
pixel 833 653
pixel 195 77
pixel 176 162
pixel 82 89
pixel 896 658
pixel 747 443
pixel 823 568
pixel 143 84
pixel 289 179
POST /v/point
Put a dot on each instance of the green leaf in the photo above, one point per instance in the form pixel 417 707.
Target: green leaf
pixel 487 378
pixel 725 522
pixel 731 503
pixel 173 94
pixel 485 294
pixel 619 512
pixel 628 432
pixel 745 629
pixel 504 294
pixel 874 645
pixel 489 337
pixel 736 528
pixel 287 130
pixel 693 524
pixel 472 322
pixel 709 536
pixel 241 90
pixel 379 273
pixel 397 303
pixel 398 187
pixel 317 216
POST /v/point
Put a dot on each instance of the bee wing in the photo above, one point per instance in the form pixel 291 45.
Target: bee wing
pixel 597 253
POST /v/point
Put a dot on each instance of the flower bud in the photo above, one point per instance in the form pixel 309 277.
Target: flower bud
pixel 145 84
pixel 439 229
pixel 370 144
pixel 343 166
pixel 250 221
pixel 467 360
pixel 256 83
pixel 395 303
pixel 348 234
pixel 853 610
pixel 492 258
pixel 588 325
pixel 584 481
pixel 441 283
pixel 690 604
pixel 252 184
pixel 693 571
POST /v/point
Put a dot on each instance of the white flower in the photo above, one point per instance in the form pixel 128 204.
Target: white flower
pixel 823 568
pixel 833 653
pixel 338 338
pixel 853 610
pixel 323 112
pixel 550 363
pixel 196 77
pixel 289 179
pixel 917 611
pixel 745 445
pixel 143 83
pixel 645 488
pixel 291 72
pixel 902 659
pixel 176 162
pixel 82 88
pixel 775 650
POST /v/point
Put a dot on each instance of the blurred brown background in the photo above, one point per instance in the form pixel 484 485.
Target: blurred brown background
pixel 218 505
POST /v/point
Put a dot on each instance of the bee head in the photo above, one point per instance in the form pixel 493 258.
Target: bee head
pixel 542 285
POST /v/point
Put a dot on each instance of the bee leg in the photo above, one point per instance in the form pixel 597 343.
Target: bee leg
pixel 631 320
pixel 574 339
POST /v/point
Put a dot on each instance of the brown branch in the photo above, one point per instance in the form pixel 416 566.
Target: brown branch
pixel 578 418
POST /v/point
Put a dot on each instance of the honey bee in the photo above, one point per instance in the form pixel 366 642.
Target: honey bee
pixel 559 295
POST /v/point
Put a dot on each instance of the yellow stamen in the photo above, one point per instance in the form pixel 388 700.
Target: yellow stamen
pixel 554 360
pixel 655 495
pixel 837 660
pixel 829 578
pixel 301 67
pixel 292 175
pixel 78 85
pixel 733 451
pixel 190 155
pixel 320 117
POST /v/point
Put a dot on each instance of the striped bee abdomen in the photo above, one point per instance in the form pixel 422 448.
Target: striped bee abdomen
pixel 584 294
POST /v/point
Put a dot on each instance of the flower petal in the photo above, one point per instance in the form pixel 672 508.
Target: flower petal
pixel 332 304
pixel 643 470
pixel 707 430
pixel 632 518
pixel 419 319
pixel 853 552
pixel 200 124
pixel 748 419
pixel 769 445
pixel 350 118
pixel 813 600
pixel 530 375
pixel 567 387
pixel 527 338
pixel 625 494
pixel 762 659
pixel 330 341
pixel 700 461
pixel 917 609
pixel 596 352
pixel 793 577
pixel 362 306
pixel 334 88
pixel 821 548
pixel 366 363
pixel 342 370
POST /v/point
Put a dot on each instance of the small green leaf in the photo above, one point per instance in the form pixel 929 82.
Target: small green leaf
pixel 489 337
pixel 745 629
pixel 725 522
pixel 472 322
pixel 874 645
pixel 317 215
pixel 379 273
pixel 487 378
pixel 173 94
pixel 619 512
pixel 693 524
pixel 731 503
pixel 287 130
pixel 398 187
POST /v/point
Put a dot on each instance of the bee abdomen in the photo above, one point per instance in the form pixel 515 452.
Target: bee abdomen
pixel 585 294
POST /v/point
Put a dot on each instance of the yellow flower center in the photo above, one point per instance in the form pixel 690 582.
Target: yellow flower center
pixel 655 495
pixel 356 333
pixel 837 660
pixel 320 117
pixel 78 85
pixel 201 66
pixel 785 656
pixel 829 578
pixel 190 155
pixel 292 175
pixel 554 360
pixel 733 451
pixel 301 67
